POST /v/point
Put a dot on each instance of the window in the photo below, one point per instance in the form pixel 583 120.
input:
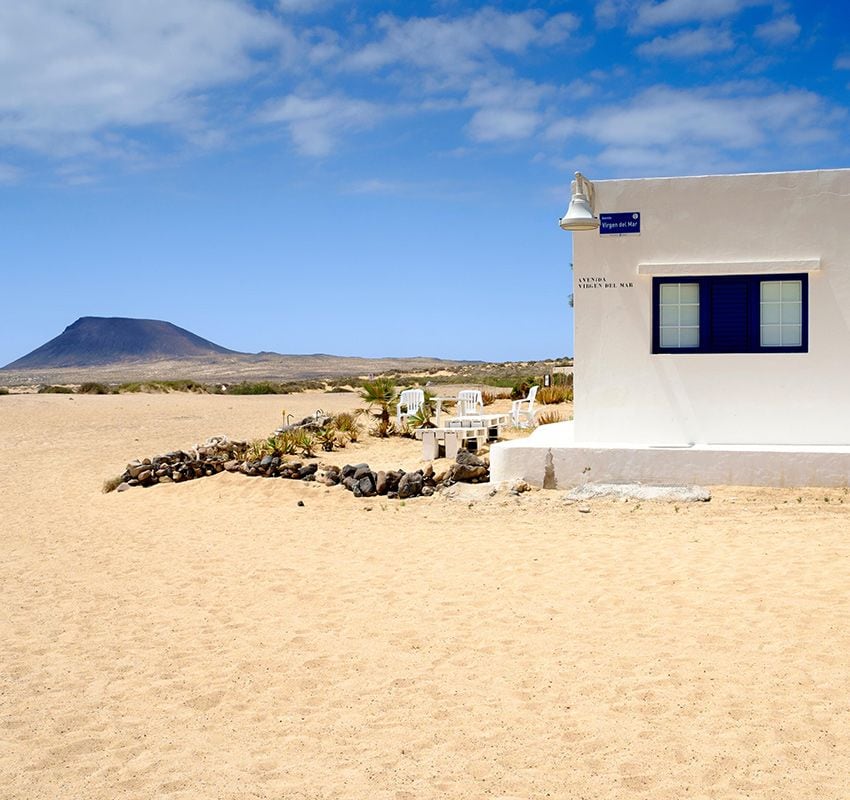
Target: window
pixel 781 313
pixel 679 315
pixel 730 314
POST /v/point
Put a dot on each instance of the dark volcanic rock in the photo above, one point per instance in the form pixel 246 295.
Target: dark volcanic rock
pixel 469 459
pixel 366 486
pixel 463 472
pixel 381 483
pixel 410 485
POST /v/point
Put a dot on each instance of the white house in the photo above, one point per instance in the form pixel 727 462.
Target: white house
pixel 712 336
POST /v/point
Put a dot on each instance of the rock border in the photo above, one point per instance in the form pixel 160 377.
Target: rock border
pixel 220 454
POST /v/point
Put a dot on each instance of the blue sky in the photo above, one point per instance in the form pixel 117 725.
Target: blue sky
pixel 379 178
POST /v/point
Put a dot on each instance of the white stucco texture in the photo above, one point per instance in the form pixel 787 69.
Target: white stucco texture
pixel 735 224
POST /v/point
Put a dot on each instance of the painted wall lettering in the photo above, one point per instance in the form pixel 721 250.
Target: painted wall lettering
pixel 601 282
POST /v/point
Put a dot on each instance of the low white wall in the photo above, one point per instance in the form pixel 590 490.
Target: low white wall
pixel 624 393
pixel 555 460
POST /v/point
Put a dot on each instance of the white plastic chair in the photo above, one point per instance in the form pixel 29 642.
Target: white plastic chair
pixel 469 403
pixel 409 403
pixel 522 411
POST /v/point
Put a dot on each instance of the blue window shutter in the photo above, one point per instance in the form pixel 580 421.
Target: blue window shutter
pixel 729 331
pixel 730 313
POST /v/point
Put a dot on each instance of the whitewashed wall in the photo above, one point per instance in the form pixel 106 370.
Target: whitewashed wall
pixel 626 394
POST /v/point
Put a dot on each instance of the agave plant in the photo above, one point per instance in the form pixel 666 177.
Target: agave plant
pixel 305 442
pixel 286 443
pixel 383 428
pixel 547 417
pixel 346 423
pixel 382 394
pixel 422 417
pixel 259 448
pixel 327 438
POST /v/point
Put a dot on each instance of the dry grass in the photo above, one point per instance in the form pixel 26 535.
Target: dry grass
pixel 111 484
pixel 550 395
pixel 491 397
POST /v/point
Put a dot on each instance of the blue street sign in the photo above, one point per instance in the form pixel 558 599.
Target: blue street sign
pixel 619 223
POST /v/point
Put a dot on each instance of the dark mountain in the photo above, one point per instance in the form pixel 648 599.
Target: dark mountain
pixel 93 341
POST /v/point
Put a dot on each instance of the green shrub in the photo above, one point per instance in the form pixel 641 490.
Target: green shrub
pixel 261 387
pixel 94 388
pixel 4 390
pixel 55 390
pixel 520 389
pixel 190 386
pixel 162 387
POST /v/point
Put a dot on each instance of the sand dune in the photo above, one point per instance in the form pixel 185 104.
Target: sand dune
pixel 215 640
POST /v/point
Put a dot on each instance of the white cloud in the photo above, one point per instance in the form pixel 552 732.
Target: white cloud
pixel 678 12
pixel 303 6
pixel 495 124
pixel 609 13
pixel 507 93
pixel 662 116
pixel 322 45
pixel 781 30
pixel 507 110
pixel 316 123
pixel 461 45
pixel 376 186
pixel 454 62
pixel 78 74
pixel 842 62
pixel 667 129
pixel 9 174
pixel 688 44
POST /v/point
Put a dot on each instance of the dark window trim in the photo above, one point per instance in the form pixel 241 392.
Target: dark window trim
pixel 705 313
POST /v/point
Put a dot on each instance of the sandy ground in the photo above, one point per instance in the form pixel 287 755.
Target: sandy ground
pixel 215 640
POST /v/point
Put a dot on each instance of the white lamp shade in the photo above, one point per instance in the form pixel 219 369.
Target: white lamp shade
pixel 579 216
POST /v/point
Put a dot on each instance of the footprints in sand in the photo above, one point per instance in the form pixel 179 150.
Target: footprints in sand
pixel 205 702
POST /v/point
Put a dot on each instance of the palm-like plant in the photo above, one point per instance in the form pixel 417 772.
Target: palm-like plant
pixel 381 393
pixel 422 418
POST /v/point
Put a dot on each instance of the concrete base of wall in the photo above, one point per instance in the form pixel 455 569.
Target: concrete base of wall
pixel 551 458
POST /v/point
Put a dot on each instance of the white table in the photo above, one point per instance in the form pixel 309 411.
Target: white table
pixel 492 422
pixel 438 407
pixel 450 440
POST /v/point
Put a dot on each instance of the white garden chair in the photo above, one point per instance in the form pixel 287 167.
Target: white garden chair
pixel 409 403
pixel 469 403
pixel 522 411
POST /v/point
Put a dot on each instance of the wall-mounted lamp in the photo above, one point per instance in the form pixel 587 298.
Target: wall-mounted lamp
pixel 580 216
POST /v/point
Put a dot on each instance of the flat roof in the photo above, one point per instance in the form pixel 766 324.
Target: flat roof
pixel 718 175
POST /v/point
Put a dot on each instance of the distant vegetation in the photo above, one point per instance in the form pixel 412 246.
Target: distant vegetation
pixel 270 387
pixel 94 388
pixel 56 390
pixel 162 387
pixel 165 387
pixel 514 377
